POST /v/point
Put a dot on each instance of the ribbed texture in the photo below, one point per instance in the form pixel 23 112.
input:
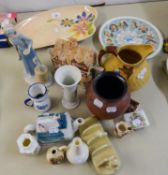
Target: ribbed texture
pixel 103 155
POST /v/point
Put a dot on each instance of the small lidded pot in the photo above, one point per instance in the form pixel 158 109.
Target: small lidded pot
pixel 55 155
pixel 122 128
pixel 108 97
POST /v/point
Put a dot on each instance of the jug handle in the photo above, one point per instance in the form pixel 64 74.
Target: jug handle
pixel 109 49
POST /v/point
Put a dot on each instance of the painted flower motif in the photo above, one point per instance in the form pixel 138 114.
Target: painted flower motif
pixel 81 29
pixel 67 22
pixel 84 17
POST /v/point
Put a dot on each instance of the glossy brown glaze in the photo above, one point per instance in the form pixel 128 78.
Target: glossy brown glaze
pixel 107 107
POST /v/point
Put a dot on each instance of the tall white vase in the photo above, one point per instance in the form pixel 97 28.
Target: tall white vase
pixel 68 77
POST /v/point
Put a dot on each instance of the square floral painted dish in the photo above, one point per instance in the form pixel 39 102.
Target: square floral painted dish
pixel 64 22
pixel 130 30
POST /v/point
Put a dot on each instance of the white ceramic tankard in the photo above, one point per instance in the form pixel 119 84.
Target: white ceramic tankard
pixel 38 97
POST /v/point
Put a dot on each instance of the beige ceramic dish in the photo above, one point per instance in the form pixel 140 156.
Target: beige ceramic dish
pixel 64 22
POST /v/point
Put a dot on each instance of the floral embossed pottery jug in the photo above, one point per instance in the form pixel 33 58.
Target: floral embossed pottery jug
pixel 130 61
pixel 108 97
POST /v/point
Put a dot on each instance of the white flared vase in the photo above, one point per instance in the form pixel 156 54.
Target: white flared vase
pixel 78 151
pixel 68 77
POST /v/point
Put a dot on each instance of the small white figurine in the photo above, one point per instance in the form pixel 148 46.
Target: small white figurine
pixel 25 50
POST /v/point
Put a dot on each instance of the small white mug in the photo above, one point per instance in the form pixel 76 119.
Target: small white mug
pixel 38 97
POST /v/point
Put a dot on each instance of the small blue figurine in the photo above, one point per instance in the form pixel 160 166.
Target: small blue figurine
pixel 24 48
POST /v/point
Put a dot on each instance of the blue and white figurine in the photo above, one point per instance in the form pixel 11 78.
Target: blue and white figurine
pixel 26 53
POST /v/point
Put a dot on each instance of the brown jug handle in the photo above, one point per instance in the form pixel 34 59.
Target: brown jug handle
pixel 109 49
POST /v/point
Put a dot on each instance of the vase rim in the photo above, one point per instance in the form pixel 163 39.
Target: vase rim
pixel 121 80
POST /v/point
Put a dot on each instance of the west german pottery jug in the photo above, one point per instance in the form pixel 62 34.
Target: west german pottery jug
pixel 129 61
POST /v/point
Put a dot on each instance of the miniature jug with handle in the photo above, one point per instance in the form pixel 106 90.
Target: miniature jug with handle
pixel 129 61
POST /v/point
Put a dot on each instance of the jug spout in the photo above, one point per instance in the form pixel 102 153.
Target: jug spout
pixel 143 49
pixel 77 123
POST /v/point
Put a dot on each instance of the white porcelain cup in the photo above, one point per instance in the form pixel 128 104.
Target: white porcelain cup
pixel 68 77
pixel 38 97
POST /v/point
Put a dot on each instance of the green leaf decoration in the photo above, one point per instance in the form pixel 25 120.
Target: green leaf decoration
pixel 92 18
pixel 90 31
pixel 50 20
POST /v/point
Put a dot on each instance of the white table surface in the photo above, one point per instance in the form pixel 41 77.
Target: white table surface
pixel 144 152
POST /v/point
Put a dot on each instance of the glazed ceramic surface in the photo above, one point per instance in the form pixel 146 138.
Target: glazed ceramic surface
pixel 68 77
pixel 53 127
pixel 30 128
pixel 55 155
pixel 137 119
pixel 38 97
pixel 64 22
pixel 122 128
pixel 108 97
pixel 103 154
pixel 27 144
pixel 130 30
pixel 77 151
pixel 130 62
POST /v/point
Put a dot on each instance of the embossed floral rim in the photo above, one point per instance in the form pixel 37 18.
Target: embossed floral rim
pixel 159 46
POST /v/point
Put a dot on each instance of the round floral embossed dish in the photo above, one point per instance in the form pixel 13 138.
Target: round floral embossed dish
pixel 64 22
pixel 130 30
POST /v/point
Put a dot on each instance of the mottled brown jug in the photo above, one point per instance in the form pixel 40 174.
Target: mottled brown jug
pixel 129 61
pixel 108 97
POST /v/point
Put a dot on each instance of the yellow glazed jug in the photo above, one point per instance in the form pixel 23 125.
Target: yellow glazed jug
pixel 129 61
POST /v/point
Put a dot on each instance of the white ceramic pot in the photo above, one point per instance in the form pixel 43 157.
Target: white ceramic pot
pixel 28 144
pixel 77 152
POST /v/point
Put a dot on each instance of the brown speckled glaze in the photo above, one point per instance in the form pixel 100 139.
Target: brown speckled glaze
pixel 117 105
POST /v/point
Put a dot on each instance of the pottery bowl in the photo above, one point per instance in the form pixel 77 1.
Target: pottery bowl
pixel 124 30
pixel 108 97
